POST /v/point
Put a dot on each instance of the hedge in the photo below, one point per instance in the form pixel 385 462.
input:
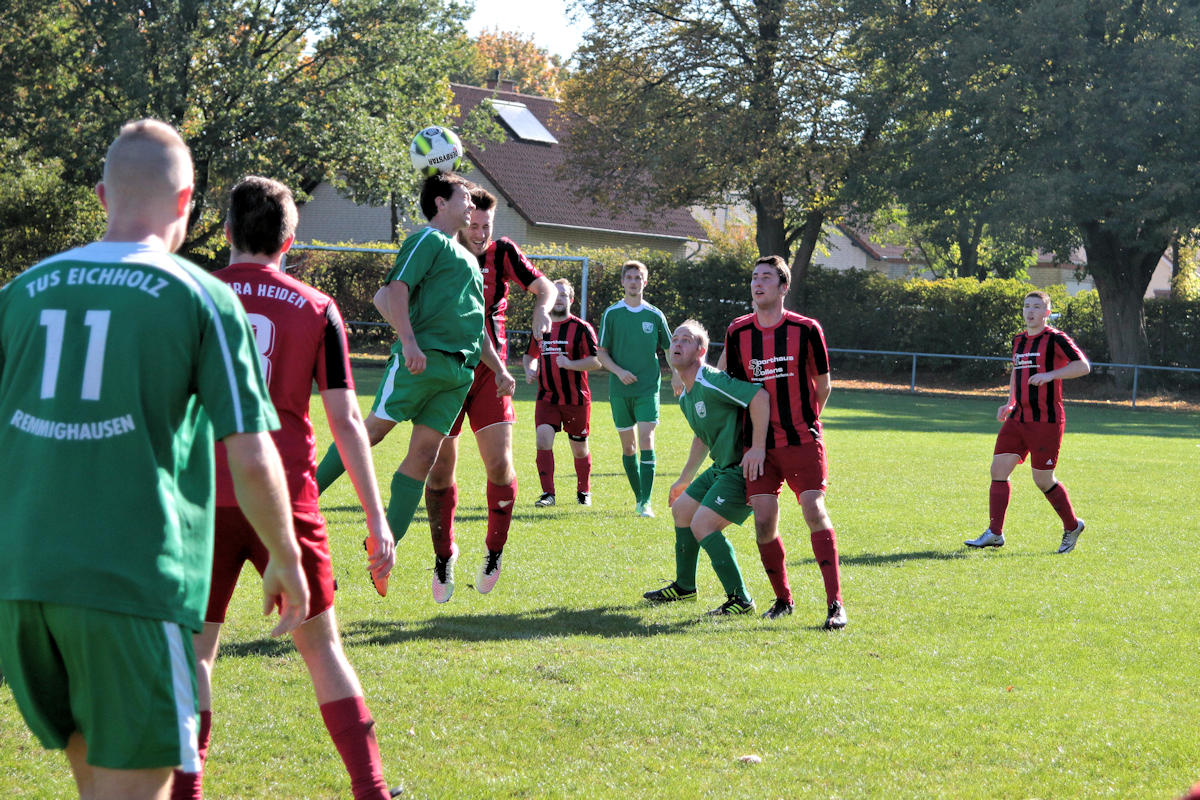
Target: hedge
pixel 858 309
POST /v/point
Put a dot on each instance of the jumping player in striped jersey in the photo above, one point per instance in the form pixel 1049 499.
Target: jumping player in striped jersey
pixel 785 353
pixel 718 409
pixel 489 401
pixel 560 363
pixel 1034 420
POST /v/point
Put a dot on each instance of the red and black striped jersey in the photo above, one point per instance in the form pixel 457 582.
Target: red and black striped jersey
pixel 784 359
pixel 575 339
pixel 1044 352
pixel 301 341
pixel 502 262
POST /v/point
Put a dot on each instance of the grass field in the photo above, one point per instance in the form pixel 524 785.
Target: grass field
pixel 1014 673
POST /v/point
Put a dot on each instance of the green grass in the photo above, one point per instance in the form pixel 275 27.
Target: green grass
pixel 1013 673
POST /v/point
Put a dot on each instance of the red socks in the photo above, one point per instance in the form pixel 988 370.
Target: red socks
pixel 998 505
pixel 189 785
pixel 583 473
pixel 1062 504
pixel 440 505
pixel 545 468
pixel 353 732
pixel 824 547
pixel 772 555
pixel 500 501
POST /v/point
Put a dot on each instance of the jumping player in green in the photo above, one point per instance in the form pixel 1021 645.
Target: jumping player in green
pixel 631 333
pixel 716 407
pixel 119 365
pixel 433 298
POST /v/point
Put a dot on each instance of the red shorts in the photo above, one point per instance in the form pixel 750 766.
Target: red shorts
pixel 236 543
pixel 482 404
pixel 802 466
pixel 1041 440
pixel 572 419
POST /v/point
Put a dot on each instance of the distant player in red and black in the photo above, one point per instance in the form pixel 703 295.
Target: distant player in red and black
pixel 489 402
pixel 1034 421
pixel 560 363
pixel 785 353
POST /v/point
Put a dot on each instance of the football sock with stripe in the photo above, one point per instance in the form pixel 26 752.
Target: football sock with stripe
pixel 724 562
pixel 583 473
pixel 330 468
pixel 1062 504
pixel 545 467
pixel 773 555
pixel 440 505
pixel 352 729
pixel 190 785
pixel 824 547
pixel 687 556
pixel 646 475
pixel 631 472
pixel 500 500
pixel 998 505
pixel 406 496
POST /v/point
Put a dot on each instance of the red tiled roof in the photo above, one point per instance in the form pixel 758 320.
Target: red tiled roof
pixel 528 175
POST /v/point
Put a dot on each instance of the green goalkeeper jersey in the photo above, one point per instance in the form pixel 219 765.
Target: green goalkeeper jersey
pixel 715 409
pixel 445 294
pixel 119 363
pixel 633 337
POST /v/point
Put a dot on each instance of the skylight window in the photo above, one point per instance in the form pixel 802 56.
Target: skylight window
pixel 520 120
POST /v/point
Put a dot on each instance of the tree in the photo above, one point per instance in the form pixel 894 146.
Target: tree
pixel 518 59
pixel 716 101
pixel 1087 107
pixel 301 90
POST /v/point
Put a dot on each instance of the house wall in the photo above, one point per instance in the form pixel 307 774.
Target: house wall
pixel 329 217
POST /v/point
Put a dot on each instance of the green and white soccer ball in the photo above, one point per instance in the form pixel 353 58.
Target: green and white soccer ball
pixel 436 149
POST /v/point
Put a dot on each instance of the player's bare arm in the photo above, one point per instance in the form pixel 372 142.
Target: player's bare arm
pixel 350 436
pixel 721 361
pixel 1073 369
pixel 505 383
pixel 695 458
pixel 623 375
pixel 1006 410
pixel 760 417
pixel 262 493
pixel 531 368
pixel 824 385
pixel 392 303
pixel 586 364
pixel 544 293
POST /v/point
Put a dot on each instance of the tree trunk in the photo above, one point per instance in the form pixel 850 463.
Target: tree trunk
pixel 810 234
pixel 770 234
pixel 1122 271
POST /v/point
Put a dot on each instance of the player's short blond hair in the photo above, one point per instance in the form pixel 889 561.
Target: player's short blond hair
pixel 638 265
pixel 698 330
pixel 567 284
pixel 147 162
pixel 1040 295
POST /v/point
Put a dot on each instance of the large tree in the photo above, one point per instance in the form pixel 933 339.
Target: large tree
pixel 301 90
pixel 517 58
pixel 1088 110
pixel 719 101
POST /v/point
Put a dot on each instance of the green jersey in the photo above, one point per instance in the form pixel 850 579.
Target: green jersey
pixel 119 363
pixel 633 336
pixel 445 294
pixel 714 408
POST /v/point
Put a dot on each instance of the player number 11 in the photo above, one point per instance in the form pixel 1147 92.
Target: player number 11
pixel 54 320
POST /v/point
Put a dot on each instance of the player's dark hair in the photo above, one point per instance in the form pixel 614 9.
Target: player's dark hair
pixel 1045 298
pixel 440 184
pixel 780 266
pixel 482 198
pixel 262 215
pixel 639 266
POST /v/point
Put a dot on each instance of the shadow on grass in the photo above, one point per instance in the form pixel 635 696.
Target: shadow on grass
pixel 876 559
pixel 611 622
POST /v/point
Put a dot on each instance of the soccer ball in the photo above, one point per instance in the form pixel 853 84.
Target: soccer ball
pixel 436 149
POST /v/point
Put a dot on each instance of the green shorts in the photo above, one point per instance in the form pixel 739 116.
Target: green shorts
pixel 432 398
pixel 722 490
pixel 629 411
pixel 127 684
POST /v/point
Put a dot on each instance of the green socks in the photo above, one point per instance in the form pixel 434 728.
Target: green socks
pixel 406 496
pixel 631 472
pixel 687 555
pixel 330 468
pixel 646 475
pixel 725 564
